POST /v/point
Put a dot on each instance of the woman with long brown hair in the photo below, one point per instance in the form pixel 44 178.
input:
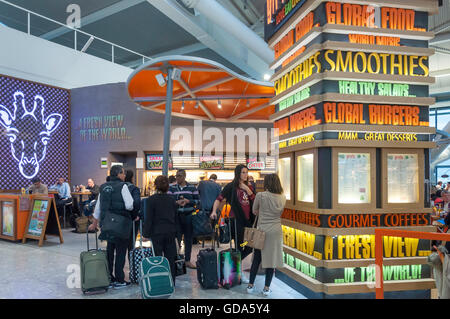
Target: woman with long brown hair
pixel 268 206
pixel 240 196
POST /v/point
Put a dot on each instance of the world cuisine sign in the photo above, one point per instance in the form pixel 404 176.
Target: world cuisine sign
pixel 368 16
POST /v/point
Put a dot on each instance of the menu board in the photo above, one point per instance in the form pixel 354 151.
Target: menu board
pixel 305 178
pixel 155 161
pixel 38 215
pixel 354 178
pixel 284 172
pixel 403 178
pixel 8 219
pixel 211 162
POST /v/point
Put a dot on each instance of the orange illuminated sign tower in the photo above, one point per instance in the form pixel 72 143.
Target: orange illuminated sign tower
pixel 352 113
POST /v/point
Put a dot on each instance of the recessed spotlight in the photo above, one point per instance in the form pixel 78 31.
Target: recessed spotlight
pixel 219 104
pixel 248 103
pixel 266 77
pixel 182 106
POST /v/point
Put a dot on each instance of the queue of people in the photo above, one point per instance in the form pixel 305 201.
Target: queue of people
pixel 168 218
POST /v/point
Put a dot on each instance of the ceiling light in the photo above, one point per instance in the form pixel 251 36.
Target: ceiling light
pixel 219 104
pixel 196 105
pixel 248 103
pixel 266 77
pixel 161 80
pixel 182 106
pixel 176 74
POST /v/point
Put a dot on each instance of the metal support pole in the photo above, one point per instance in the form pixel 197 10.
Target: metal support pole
pixel 167 120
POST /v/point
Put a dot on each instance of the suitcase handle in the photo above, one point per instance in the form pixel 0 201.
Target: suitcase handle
pixel 96 238
pixel 140 232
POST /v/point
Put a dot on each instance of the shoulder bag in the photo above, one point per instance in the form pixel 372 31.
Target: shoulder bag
pixel 254 237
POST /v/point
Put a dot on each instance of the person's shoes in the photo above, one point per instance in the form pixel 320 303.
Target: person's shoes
pixel 244 279
pixel 190 265
pixel 266 293
pixel 119 285
pixel 250 290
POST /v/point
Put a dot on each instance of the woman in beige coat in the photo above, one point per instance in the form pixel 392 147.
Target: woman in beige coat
pixel 268 206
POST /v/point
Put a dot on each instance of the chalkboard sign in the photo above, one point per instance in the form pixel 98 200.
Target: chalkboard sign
pixel 42 211
pixel 155 161
pixel 211 162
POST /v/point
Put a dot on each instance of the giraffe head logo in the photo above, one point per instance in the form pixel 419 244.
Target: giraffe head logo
pixel 28 131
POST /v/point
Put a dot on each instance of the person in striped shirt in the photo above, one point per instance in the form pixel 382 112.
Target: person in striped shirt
pixel 186 197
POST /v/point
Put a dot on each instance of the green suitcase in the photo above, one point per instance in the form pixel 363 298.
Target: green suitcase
pixel 94 270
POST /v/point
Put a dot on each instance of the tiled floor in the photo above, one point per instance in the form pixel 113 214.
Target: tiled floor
pixel 52 272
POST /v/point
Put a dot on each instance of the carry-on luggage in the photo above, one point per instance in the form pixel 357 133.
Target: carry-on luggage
pixel 180 263
pixel 230 263
pixel 95 277
pixel 224 232
pixel 137 255
pixel 155 277
pixel 201 224
pixel 207 267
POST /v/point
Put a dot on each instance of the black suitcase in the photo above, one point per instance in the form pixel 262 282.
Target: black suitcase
pixel 207 267
pixel 136 255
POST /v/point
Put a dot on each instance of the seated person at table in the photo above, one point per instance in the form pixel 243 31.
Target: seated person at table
pixel 37 187
pixel 89 205
pixel 63 195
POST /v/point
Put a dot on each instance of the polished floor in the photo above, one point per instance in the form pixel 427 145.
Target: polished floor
pixel 52 272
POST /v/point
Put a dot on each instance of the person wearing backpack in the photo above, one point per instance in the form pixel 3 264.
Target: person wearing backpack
pixel 136 194
pixel 113 209
pixel 161 224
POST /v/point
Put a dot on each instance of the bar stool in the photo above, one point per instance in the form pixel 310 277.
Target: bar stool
pixel 69 206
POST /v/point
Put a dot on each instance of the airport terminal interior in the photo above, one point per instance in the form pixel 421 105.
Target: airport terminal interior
pixel 307 141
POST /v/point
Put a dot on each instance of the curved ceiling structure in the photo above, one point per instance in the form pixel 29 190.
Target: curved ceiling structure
pixel 202 89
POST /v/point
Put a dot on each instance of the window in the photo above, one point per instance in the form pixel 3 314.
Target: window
pixel 284 172
pixel 354 178
pixel 305 164
pixel 403 178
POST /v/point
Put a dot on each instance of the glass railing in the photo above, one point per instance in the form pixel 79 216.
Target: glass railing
pixel 16 17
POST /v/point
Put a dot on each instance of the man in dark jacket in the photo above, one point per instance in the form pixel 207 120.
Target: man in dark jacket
pixel 115 201
pixel 186 196
pixel 136 194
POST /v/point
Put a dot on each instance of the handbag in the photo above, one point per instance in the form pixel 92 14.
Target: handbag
pixel 201 224
pixel 254 237
pixel 180 264
pixel 115 226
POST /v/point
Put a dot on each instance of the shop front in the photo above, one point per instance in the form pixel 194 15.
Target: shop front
pixel 352 115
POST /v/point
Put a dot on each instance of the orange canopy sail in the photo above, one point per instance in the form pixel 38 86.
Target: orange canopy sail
pixel 202 89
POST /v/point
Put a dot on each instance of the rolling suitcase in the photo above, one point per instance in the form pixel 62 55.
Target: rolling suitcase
pixel 230 263
pixel 137 255
pixel 94 270
pixel 207 268
pixel 155 278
